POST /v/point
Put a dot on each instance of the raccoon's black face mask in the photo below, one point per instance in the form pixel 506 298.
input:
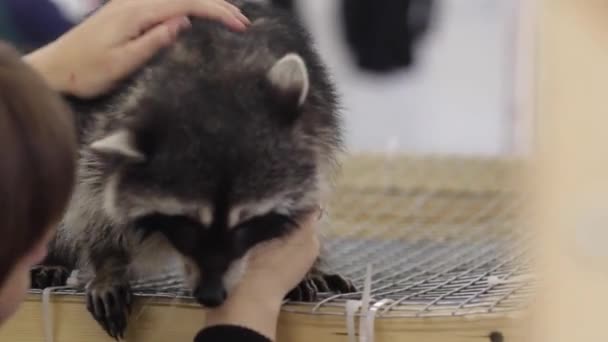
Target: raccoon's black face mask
pixel 214 250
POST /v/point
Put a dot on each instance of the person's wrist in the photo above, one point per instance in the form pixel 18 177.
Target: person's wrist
pixel 46 61
pixel 254 312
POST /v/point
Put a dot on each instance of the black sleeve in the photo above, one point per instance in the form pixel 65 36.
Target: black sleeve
pixel 229 333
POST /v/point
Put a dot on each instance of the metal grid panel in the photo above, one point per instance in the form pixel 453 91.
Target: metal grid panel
pixel 444 237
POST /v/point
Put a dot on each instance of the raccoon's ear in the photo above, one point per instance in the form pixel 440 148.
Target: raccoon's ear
pixel 120 143
pixel 289 77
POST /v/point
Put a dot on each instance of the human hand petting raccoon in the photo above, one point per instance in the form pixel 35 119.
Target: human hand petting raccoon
pixel 117 39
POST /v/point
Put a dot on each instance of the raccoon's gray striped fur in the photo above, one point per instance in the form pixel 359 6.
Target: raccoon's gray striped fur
pixel 223 141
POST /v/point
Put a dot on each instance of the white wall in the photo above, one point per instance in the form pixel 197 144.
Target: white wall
pixel 458 100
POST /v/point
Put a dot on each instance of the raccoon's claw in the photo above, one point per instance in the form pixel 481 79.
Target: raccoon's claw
pixel 43 276
pixel 337 283
pixel 110 305
pixel 306 291
pixel 309 288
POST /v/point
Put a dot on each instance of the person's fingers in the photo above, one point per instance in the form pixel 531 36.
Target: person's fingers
pixel 232 8
pixel 237 11
pixel 306 235
pixel 138 51
pixel 157 11
pixel 177 24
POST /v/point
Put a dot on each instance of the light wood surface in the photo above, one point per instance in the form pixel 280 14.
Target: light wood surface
pixel 572 174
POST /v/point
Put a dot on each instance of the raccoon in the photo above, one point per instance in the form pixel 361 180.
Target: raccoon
pixel 222 141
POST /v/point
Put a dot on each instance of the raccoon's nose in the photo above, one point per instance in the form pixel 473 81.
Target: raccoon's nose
pixel 209 297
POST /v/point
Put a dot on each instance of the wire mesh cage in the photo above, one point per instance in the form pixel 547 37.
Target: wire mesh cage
pixel 437 247
pixel 444 236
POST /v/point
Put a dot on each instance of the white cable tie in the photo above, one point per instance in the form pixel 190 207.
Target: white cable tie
pixel 352 306
pixel 47 317
pixel 495 280
pixel 371 318
pixel 366 299
pixel 47 313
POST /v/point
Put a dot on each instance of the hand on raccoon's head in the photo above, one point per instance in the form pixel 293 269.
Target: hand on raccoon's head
pixel 120 37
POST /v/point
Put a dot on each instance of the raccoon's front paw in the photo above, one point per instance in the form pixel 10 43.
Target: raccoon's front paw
pixel 110 304
pixel 42 276
pixel 306 291
pixel 313 284
pixel 337 284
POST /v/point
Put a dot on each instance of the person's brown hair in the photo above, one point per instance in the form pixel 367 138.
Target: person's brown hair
pixel 38 162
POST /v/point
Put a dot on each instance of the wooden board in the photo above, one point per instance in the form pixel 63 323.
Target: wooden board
pixel 160 320
pixel 571 180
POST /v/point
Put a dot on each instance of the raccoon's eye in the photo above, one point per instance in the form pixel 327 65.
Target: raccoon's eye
pixel 261 85
pixel 262 228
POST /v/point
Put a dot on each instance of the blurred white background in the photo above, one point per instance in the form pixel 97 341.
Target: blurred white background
pixel 458 100
pixel 464 95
